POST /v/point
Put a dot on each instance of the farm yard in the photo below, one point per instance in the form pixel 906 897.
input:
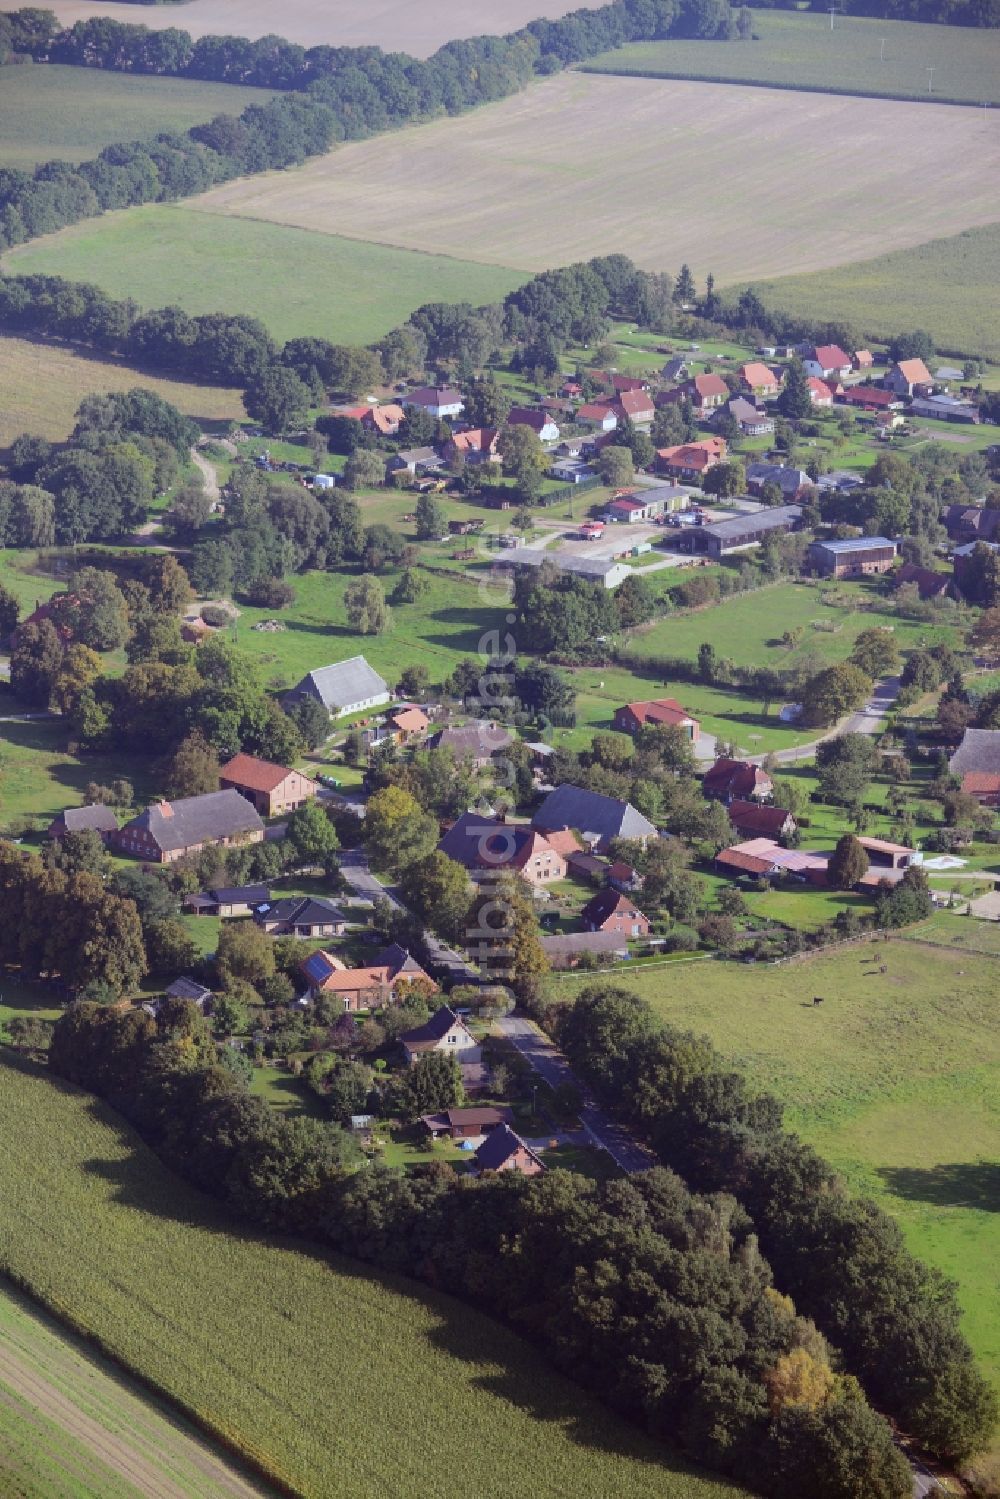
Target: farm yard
pixel 252 1334
pixel 793 49
pixel 894 1079
pixel 545 181
pixel 298 282
pixel 947 286
pixel 72 113
pixel 44 383
pixel 71 1425
pixel 396 25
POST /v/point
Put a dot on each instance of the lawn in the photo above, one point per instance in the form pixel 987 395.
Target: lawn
pixel 894 1079
pixel 71 114
pixel 947 286
pixel 798 50
pixel 297 281
pixel 544 181
pixel 72 1428
pixel 342 1383
pixel 39 776
pixel 43 384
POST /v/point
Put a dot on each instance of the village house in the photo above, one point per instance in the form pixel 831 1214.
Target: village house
pixel 751 421
pixel 407 723
pixel 907 377
pixel 625 877
pixel 415 461
pixel 611 910
pixel 690 461
pixel 580 864
pixel 628 384
pixel 570 389
pixel 476 445
pixel 540 422
pixel 301 916
pixel 820 394
pixel 758 820
pixel 599 414
pixel 272 789
pixel 465 1124
pixel 971 523
pixel 637 405
pixel 227 900
pixel 503 1150
pixel 791 481
pixel 758 380
pixel 977 763
pixel 862 359
pixel 439 402
pixel 345 687
pixel 736 780
pixel 599 819
pixel 370 987
pixel 445 1031
pixel 167 831
pixel 476 742
pixel 630 718
pixel 383 420
pixel 488 846
pixel 93 819
pixel 857 557
pixel 827 361
pixel 572 471
pixel 675 369
pixel 964 558
pixel 705 392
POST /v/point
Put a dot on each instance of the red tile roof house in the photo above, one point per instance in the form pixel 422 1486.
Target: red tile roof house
pixel 863 359
pixel 272 789
pixel 736 780
pixel 906 376
pixel 820 394
pixel 930 584
pixel 612 910
pixel 623 383
pixel 624 877
pixel 570 388
pixel 477 445
pixel 827 360
pixel 754 820
pixel 637 405
pixel 984 785
pixel 690 460
pixel 758 379
pixel 487 846
pixel 503 1150
pixel 598 414
pixel 703 391
pixel 664 710
pixel 407 723
pixel 362 988
pixel 540 422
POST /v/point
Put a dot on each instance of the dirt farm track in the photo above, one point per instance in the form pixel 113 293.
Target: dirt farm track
pixel 415 26
pixel 745 182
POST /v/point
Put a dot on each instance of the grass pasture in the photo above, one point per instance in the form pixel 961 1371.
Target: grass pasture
pixel 396 25
pixel 342 1384
pixel 70 1425
pixel 70 114
pixel 545 181
pixel 295 280
pixel 947 286
pixel 44 383
pixel 39 777
pixel 894 1079
pixel 797 50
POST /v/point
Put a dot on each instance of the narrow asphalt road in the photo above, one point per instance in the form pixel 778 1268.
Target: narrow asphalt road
pixel 870 720
pixel 553 1068
pixel 354 868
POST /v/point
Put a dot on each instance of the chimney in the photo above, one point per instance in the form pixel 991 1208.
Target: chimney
pixel 165 809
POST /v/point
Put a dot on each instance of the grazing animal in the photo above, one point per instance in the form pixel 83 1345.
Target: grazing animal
pixel 817 999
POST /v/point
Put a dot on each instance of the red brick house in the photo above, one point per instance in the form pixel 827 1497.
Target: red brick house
pixel 503 1150
pixel 689 461
pixel 637 405
pixel 665 710
pixel 758 380
pixel 907 376
pixel 611 910
pixel 272 789
pixel 465 1124
pixel 705 392
pixel 737 780
pixel 758 820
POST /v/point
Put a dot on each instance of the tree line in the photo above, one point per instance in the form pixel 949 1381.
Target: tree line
pixel 656 1297
pixel 842 1259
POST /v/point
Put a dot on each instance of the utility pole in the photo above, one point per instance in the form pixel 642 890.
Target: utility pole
pixel 834 11
pixel 881 55
pixel 930 79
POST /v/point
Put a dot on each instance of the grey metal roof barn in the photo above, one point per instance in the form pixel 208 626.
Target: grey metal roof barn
pixel 854 544
pixel 979 750
pixel 194 820
pixel 590 812
pixel 344 687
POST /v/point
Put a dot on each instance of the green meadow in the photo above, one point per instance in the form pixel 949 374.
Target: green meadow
pixel 296 281
pixel 895 1079
pixel 70 114
pixel 798 50
pixel 339 1383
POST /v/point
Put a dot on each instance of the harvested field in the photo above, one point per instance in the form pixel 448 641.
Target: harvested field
pixel 43 384
pixel 583 165
pixel 415 26
pixel 72 113
pixel 794 49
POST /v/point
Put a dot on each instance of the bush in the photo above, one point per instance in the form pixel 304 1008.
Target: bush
pixel 216 615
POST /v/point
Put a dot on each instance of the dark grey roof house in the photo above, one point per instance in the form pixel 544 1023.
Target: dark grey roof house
pixel 978 751
pixel 301 916
pixel 227 900
pixel 345 687
pixel 588 812
pixel 477 742
pixel 97 819
pixel 167 831
pixel 188 988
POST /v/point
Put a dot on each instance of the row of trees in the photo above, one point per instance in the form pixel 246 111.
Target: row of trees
pixel 655 1297
pixel 842 1259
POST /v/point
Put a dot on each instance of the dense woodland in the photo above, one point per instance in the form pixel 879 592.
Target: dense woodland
pixel 655 1296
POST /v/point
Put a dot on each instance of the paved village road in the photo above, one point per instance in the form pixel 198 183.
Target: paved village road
pixel 354 868
pixel 870 720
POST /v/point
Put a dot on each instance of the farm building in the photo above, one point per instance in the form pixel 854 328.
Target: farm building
pixel 631 717
pixel 227 900
pixel 93 819
pixel 741 532
pixel 273 789
pixel 858 557
pixel 488 846
pixel 599 818
pixel 566 949
pixel 868 398
pixel 930 584
pixel 604 571
pixel 167 831
pixel 350 686
pixel 945 409
pixel 885 855
pixel 977 762
pixel 647 504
